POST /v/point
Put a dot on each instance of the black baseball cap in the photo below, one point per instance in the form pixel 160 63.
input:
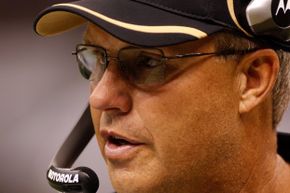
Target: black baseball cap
pixel 168 22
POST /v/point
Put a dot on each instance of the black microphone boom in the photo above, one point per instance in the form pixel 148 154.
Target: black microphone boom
pixel 82 179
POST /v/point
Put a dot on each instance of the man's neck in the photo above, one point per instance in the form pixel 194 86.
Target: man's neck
pixel 269 178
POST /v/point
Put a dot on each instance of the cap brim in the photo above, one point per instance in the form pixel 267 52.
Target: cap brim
pixel 129 21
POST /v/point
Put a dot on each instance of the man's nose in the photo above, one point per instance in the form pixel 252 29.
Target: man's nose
pixel 112 92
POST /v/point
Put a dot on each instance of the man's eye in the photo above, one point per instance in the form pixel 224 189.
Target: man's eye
pixel 148 62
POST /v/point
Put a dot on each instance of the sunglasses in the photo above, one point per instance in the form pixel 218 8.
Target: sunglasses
pixel 140 66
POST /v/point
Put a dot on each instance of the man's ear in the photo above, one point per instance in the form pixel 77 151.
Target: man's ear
pixel 258 72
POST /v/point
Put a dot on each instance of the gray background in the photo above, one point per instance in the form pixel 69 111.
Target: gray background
pixel 42 96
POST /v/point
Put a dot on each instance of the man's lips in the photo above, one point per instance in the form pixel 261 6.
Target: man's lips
pixel 118 146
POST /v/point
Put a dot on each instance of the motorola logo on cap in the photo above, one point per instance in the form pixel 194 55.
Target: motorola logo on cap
pixel 281 12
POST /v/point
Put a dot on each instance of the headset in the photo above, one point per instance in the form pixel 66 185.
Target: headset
pixel 270 19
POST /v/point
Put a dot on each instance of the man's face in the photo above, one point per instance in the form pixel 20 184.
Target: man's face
pixel 176 137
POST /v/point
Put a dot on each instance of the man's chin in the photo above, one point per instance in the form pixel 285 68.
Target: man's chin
pixel 130 182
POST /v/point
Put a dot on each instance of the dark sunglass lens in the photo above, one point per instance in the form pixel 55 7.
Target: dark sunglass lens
pixel 143 66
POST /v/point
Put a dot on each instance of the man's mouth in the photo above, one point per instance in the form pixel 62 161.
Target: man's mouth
pixel 120 148
pixel 118 141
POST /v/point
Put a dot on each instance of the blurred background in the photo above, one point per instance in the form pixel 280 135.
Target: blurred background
pixel 42 96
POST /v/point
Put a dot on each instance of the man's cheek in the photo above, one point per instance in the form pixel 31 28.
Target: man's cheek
pixel 96 118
